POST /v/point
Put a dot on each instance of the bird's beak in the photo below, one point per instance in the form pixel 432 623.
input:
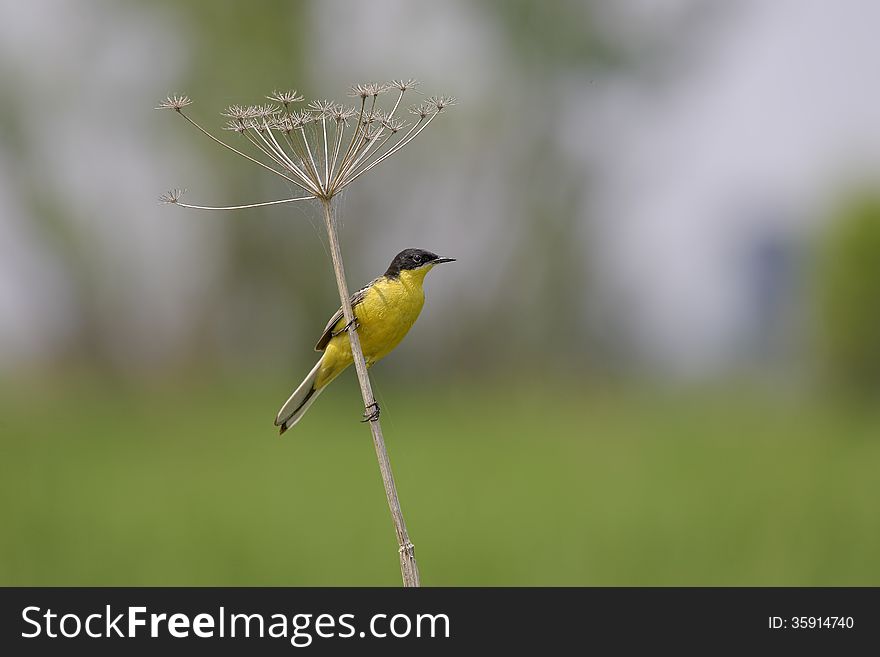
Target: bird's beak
pixel 441 260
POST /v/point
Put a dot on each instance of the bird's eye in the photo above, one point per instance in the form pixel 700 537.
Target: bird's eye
pixel 417 258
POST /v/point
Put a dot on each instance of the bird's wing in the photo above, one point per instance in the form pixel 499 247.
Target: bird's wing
pixel 327 335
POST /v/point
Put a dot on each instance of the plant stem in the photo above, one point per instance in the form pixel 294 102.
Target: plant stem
pixel 408 567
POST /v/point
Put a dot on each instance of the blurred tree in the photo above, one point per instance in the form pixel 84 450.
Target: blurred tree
pixel 558 48
pixel 848 299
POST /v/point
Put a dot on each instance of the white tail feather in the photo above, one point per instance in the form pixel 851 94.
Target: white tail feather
pixel 298 403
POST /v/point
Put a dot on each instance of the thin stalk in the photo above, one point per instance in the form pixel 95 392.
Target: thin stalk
pixel 271 154
pixel 316 182
pixel 373 142
pixel 412 134
pixel 326 159
pixel 314 170
pixel 408 567
pixel 370 151
pixel 354 137
pixel 245 155
pixel 241 207
pixel 340 129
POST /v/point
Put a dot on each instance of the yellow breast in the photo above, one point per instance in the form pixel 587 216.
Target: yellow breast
pixel 386 314
pixel 388 311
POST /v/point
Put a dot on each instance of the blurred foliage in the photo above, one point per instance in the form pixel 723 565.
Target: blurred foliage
pixel 557 33
pixel 849 294
pixel 187 483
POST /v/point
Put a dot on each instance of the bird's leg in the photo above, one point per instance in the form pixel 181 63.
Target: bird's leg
pixel 352 324
pixel 371 415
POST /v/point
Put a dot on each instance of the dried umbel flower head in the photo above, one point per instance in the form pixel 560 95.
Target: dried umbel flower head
pixel 172 196
pixel 174 102
pixel 285 97
pixel 325 146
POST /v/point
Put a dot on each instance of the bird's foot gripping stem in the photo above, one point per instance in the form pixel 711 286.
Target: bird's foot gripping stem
pixel 353 324
pixel 371 415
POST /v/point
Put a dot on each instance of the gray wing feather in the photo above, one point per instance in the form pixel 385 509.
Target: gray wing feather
pixel 327 335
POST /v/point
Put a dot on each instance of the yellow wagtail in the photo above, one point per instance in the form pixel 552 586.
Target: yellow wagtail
pixel 384 310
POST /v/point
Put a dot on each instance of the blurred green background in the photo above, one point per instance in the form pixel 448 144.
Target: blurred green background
pixel 656 361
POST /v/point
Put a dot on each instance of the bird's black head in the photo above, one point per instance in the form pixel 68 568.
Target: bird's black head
pixel 413 259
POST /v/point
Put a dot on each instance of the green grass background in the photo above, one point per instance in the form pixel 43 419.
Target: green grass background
pixel 501 484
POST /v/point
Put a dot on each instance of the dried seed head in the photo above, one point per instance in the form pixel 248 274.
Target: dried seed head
pixel 388 121
pixel 266 111
pixel 242 112
pixel 359 90
pixel 283 124
pixel 403 85
pixel 237 112
pixel 370 133
pixel 326 160
pixel 342 113
pixel 422 109
pixel 172 196
pixel 441 102
pixel 285 97
pixel 301 119
pixel 236 125
pixel 322 108
pixel 368 89
pixel 174 102
pixel 251 123
pixel 393 124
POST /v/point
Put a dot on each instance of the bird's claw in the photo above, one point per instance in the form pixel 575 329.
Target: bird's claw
pixel 371 416
pixel 352 324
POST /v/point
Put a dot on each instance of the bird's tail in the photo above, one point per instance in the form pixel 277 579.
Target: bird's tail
pixel 298 403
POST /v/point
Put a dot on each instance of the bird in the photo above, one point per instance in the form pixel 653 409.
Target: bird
pixel 384 311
